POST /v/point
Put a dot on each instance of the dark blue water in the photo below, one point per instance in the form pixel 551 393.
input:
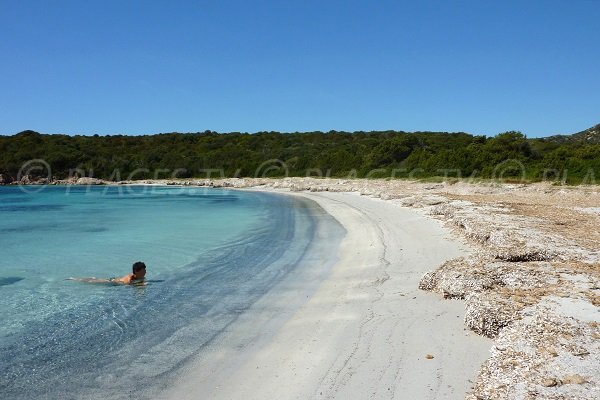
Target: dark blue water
pixel 210 254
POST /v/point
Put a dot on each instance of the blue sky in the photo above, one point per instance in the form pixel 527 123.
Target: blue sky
pixel 483 67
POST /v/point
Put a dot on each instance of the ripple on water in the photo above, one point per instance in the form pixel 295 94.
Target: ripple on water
pixel 33 208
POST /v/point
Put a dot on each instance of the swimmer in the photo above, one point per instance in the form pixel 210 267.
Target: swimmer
pixel 135 278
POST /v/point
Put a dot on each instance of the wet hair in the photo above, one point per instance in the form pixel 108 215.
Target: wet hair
pixel 138 266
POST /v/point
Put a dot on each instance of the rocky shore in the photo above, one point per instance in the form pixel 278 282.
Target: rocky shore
pixel 531 282
pixel 6 179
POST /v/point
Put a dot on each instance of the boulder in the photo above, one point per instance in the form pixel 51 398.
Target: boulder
pixel 26 180
pixel 89 181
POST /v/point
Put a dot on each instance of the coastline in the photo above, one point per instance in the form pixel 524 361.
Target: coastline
pixel 151 330
pixel 531 282
pixel 366 332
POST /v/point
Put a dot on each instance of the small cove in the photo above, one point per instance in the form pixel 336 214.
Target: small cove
pixel 211 254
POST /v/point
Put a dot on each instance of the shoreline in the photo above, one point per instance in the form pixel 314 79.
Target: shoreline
pixel 367 331
pixel 531 282
pixel 164 323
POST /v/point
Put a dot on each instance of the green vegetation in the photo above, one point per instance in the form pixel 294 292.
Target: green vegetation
pixel 508 155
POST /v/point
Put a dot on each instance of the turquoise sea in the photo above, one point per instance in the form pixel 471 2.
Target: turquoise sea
pixel 210 255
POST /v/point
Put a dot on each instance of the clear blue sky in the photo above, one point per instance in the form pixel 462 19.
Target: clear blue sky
pixel 483 67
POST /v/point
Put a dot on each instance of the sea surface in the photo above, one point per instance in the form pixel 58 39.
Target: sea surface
pixel 210 255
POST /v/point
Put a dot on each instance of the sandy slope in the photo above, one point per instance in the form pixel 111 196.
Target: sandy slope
pixel 366 331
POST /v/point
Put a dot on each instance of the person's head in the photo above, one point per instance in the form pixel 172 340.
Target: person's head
pixel 139 270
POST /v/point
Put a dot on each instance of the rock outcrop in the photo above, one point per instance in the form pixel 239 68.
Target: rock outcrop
pixel 89 181
pixel 26 180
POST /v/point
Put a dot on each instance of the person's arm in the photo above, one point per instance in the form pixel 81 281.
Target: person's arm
pixel 125 280
pixel 90 280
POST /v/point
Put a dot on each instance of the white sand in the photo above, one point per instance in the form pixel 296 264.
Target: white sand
pixel 366 331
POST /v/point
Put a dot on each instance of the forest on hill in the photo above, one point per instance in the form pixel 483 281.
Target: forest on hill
pixel 509 155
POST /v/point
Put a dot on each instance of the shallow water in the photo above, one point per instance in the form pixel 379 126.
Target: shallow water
pixel 210 255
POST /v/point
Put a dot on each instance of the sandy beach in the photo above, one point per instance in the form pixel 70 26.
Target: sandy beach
pixel 366 332
pixel 450 289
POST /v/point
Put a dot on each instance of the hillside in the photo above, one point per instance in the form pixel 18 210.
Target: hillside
pixel 590 135
pixel 392 154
